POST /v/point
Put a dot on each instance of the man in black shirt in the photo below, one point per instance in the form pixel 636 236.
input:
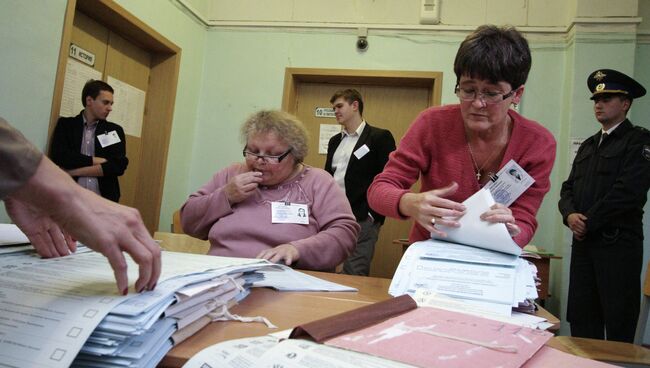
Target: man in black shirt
pixel 602 204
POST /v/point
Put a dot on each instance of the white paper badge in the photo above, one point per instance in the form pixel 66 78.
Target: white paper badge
pixel 361 151
pixel 289 213
pixel 509 183
pixel 108 139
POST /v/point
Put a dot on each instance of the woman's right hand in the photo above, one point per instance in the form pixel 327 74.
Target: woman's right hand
pixel 242 186
pixel 432 208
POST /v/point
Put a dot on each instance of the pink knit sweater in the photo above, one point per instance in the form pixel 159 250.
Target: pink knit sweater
pixel 435 149
pixel 245 229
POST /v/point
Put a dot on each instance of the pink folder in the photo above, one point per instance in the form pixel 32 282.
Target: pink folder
pixel 430 337
pixel 549 357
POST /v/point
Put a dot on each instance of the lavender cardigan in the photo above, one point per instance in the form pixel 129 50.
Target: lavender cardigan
pixel 245 229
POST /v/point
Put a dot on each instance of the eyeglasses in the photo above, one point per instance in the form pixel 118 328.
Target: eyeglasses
pixel 268 159
pixel 487 97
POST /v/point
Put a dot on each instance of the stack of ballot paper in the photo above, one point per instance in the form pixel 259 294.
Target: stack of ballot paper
pixel 65 312
pixel 476 264
pixel 138 332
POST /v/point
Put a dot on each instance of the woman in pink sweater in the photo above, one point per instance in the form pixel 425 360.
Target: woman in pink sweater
pixel 273 206
pixel 454 149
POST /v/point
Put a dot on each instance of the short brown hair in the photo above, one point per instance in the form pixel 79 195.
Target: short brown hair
pixel 495 54
pixel 92 89
pixel 350 95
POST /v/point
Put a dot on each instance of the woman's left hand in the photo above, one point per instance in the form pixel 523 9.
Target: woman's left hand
pixel 285 253
pixel 503 214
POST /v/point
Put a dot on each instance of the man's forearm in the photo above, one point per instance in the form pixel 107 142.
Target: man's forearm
pixel 94 170
pixel 49 189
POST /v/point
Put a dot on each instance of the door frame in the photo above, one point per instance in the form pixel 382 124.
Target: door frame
pixel 294 76
pixel 160 101
pixel 431 81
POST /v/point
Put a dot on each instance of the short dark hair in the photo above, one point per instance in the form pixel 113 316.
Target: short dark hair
pixel 495 54
pixel 92 88
pixel 350 95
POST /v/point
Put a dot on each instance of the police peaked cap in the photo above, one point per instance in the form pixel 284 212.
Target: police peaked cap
pixel 613 82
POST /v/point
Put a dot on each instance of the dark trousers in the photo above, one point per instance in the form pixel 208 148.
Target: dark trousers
pixel 358 263
pixel 605 287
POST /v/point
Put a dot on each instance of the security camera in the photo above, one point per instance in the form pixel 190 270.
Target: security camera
pixel 362 44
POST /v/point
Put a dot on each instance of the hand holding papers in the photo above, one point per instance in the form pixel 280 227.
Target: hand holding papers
pixel 65 308
pixel 476 263
pixel 476 232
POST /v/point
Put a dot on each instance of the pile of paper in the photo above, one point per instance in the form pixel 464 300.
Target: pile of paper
pixel 484 280
pixel 59 307
pixel 137 333
pixel 64 311
pixel 477 264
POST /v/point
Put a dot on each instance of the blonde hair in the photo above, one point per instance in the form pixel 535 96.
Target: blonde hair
pixel 286 126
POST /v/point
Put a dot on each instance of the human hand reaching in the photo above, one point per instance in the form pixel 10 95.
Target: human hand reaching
pixel 285 253
pixel 433 208
pixel 49 240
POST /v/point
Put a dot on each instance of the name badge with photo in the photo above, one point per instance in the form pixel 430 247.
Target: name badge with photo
pixel 509 183
pixel 289 213
pixel 108 139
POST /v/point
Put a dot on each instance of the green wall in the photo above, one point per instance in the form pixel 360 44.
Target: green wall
pixel 31 37
pixel 245 71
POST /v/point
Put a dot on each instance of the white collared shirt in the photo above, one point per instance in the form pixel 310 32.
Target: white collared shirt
pixel 608 132
pixel 341 157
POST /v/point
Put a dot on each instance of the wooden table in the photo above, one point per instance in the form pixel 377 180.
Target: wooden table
pixel 287 310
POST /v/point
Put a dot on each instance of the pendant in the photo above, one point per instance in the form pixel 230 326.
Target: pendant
pixel 478 176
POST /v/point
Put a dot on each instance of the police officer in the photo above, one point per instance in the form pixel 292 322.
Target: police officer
pixel 602 203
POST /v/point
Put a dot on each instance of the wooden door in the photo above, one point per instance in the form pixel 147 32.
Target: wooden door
pixel 129 64
pixel 122 60
pixel 387 106
pixel 131 52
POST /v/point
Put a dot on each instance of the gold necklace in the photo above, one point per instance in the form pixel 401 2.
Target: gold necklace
pixel 478 169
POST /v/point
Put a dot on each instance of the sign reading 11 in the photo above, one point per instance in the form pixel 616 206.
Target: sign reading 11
pixel 82 55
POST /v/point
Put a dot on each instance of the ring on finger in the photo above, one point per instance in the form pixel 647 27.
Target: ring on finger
pixel 433 220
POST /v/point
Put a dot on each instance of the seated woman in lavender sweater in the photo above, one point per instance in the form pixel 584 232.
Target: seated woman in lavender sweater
pixel 256 208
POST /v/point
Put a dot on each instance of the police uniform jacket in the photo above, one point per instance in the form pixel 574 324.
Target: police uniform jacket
pixel 609 184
